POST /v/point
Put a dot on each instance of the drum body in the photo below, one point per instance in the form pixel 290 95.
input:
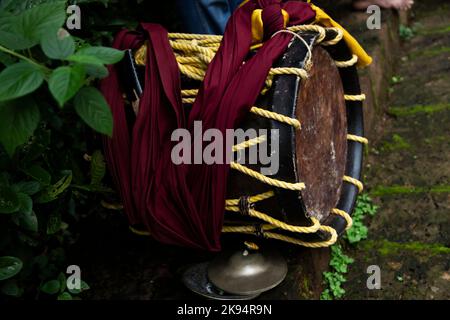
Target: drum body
pixel 318 154
pixel 324 152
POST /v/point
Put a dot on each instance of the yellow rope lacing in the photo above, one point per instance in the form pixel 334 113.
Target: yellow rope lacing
pixel 276 116
pixel 355 182
pixel 267 230
pixel 251 245
pixel 193 53
pixel 297 186
pixel 355 97
pixel 332 42
pixel 356 138
pixel 348 63
pixel 188 96
pixel 345 215
pixel 249 143
pixel 111 206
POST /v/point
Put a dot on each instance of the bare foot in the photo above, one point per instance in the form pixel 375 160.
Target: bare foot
pixel 387 4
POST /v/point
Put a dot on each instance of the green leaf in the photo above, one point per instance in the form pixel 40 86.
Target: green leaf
pixel 83 287
pixel 19 79
pixel 9 201
pixel 28 221
pixel 37 146
pixel 18 121
pixel 9 37
pixel 38 173
pixel 8 5
pixel 62 282
pixel 9 267
pixel 96 70
pixel 4 179
pixel 29 241
pixel 98 167
pixel 92 107
pixel 83 59
pixel 28 187
pixel 10 288
pixel 6 59
pixel 51 287
pixel 65 296
pixel 52 192
pixel 54 223
pixel 104 54
pixel 93 188
pixel 65 82
pixel 26 203
pixel 58 45
pixel 35 23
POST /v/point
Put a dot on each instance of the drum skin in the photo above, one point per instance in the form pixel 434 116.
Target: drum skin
pixel 321 144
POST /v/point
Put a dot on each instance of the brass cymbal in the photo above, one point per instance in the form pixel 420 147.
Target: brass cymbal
pixel 195 278
pixel 247 272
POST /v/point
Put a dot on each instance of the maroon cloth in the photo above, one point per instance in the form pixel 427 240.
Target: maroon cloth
pixel 184 204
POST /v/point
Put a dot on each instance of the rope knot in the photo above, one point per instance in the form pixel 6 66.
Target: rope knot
pixel 259 230
pixel 267 20
pixel 245 205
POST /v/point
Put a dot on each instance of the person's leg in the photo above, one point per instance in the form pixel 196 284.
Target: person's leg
pixel 204 16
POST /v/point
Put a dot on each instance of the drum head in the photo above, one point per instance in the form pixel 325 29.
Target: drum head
pixel 321 143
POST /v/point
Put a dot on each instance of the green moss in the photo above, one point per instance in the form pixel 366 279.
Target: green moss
pixel 397 143
pixel 436 140
pixel 386 247
pixel 441 30
pixel 306 284
pixel 409 111
pixel 428 53
pixel 380 191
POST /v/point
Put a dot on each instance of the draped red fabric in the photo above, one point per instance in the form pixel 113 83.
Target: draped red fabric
pixel 184 204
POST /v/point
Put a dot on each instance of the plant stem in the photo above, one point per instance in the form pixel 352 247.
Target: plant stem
pixel 18 55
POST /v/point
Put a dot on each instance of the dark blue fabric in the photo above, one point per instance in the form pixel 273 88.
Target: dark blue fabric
pixel 206 16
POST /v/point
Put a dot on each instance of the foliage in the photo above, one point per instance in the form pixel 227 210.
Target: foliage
pixel 406 33
pixel 364 206
pixel 397 143
pixel 397 80
pixel 335 278
pixel 339 262
pixel 48 105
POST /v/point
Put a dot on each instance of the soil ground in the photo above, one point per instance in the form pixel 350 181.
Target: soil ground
pixel 408 172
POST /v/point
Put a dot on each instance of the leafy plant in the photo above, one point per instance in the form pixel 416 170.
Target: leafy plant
pixel 396 80
pixel 406 33
pixel 339 261
pixel 364 206
pixel 48 105
pixel 334 279
pixel 59 287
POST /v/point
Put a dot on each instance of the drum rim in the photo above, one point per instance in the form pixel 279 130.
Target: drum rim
pixel 355 126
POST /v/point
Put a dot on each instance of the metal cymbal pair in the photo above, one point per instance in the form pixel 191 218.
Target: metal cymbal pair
pixel 238 275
